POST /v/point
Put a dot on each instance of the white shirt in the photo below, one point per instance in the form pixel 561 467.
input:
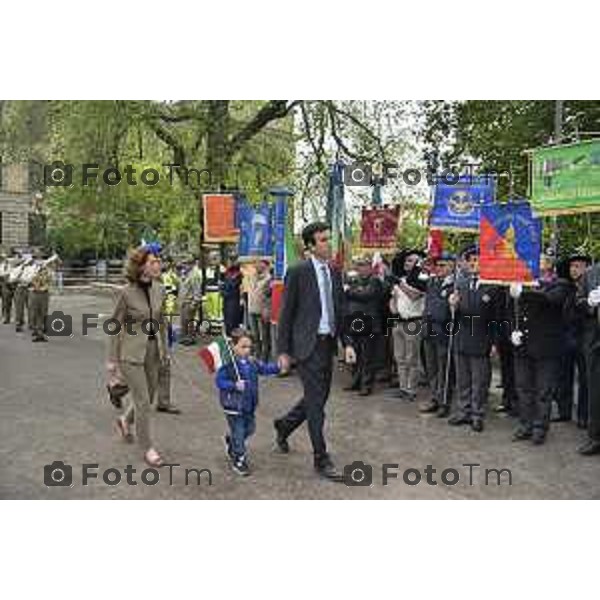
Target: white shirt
pixel 325 327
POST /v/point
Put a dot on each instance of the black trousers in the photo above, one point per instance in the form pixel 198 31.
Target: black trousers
pixel 571 361
pixel 594 388
pixel 537 382
pixel 315 373
pixel 507 373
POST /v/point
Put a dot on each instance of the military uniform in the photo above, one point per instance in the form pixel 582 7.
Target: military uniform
pixel 191 303
pixel 17 292
pixel 474 336
pixel 38 302
pixel 539 338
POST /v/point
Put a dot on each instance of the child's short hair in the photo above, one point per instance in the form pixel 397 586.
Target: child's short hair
pixel 238 333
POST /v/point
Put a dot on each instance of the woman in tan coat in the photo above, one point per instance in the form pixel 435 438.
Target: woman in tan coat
pixel 137 351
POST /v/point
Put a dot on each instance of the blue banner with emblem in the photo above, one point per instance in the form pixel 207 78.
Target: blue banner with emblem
pixel 254 223
pixel 457 205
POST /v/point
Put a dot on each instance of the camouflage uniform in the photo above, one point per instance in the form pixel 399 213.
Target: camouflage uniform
pixel 38 302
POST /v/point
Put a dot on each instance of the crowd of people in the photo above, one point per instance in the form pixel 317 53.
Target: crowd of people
pixel 428 329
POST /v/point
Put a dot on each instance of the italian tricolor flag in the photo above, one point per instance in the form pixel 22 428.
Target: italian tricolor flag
pixel 216 354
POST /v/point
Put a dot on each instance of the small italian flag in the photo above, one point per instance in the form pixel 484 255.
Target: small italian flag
pixel 216 354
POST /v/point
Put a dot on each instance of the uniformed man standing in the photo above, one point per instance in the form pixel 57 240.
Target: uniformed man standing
pixel 39 297
pixel 12 270
pixel 21 278
pixel 437 325
pixel 474 305
pixel 539 337
pixel 191 303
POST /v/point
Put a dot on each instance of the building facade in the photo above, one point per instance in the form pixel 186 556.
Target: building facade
pixel 21 222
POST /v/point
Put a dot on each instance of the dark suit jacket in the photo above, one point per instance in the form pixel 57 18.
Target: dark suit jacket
pixel 300 312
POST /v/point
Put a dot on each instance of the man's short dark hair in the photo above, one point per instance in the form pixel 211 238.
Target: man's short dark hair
pixel 308 233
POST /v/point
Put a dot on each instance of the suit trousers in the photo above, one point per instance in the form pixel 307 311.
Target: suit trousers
pixel 436 361
pixel 190 318
pixel 38 304
pixel 315 373
pixel 21 302
pixel 142 380
pixel 473 378
pixel 537 381
pixel 407 343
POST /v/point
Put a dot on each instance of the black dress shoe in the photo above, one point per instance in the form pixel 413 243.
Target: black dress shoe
pixel 19 328
pixel 170 410
pixel 365 391
pixel 477 425
pixel 560 419
pixel 443 411
pixel 326 469
pixel 581 424
pixel 280 438
pixel 457 420
pixel 589 448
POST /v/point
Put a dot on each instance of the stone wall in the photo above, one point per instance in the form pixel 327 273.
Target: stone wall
pixel 16 202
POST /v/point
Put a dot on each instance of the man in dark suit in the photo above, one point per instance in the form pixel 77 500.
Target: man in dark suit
pixel 310 322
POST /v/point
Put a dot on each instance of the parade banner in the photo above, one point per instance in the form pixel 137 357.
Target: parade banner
pixel 457 206
pixel 219 218
pixel 435 243
pixel 255 238
pixel 510 240
pixel 279 227
pixel 379 227
pixel 566 179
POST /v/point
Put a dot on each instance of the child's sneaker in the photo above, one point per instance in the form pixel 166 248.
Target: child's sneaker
pixel 240 466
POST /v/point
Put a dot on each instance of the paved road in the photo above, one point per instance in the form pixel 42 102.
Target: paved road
pixel 53 407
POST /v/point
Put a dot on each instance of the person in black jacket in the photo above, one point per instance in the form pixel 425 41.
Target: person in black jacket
pixel 363 304
pixel 539 338
pixel 475 311
pixel 591 287
pixel 310 321
pixel 580 327
pixel 436 326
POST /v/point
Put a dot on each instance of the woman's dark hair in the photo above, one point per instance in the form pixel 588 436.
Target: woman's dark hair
pixel 308 233
pixel 135 262
pixel 237 334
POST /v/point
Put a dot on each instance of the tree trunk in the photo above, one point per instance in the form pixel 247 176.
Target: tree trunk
pixel 216 143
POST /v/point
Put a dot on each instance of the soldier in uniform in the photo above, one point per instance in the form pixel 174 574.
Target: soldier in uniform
pixel 436 324
pixel 39 297
pixel 12 270
pixel 474 304
pixel 539 339
pixel 170 289
pixel 191 303
pixel 22 279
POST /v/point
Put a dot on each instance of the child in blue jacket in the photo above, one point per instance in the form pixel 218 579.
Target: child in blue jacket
pixel 239 397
